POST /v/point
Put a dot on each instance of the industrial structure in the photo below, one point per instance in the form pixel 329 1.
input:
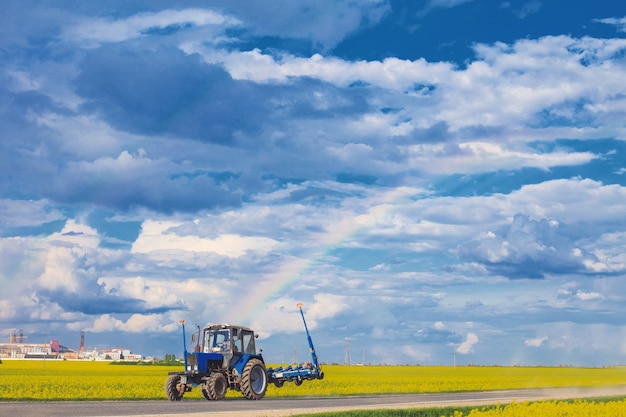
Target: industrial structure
pixel 17 348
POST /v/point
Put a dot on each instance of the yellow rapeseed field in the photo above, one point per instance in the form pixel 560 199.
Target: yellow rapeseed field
pixel 80 380
pixel 352 380
pixel 578 408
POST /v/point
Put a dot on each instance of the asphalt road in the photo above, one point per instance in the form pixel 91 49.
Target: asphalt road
pixel 286 407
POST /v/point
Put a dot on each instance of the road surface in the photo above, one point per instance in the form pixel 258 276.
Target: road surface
pixel 271 407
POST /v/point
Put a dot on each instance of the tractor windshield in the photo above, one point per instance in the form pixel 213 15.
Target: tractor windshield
pixel 224 339
pixel 217 340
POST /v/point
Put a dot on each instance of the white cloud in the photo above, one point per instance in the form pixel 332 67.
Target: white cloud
pixel 66 257
pixel 508 86
pixel 282 315
pixel 586 296
pixel 391 73
pixel 475 157
pixel 59 269
pixel 380 267
pixel 327 306
pixel 466 347
pixel 137 323
pixel 554 199
pixel 159 236
pixel 536 342
pixel 91 32
pixel 20 213
pixel 72 128
pixel 153 293
pixel 620 23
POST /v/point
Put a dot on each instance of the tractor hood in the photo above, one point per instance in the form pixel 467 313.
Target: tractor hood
pixel 201 361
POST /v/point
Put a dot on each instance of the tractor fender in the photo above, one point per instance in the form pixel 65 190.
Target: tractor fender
pixel 243 360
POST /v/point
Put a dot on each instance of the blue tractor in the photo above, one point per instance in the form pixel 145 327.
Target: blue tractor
pixel 225 357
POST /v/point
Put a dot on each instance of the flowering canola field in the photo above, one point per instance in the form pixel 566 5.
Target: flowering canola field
pixel 80 380
pixel 578 408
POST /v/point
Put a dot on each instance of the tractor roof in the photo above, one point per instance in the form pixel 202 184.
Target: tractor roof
pixel 211 326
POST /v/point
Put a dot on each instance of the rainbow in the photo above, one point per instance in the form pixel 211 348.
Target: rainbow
pixel 278 283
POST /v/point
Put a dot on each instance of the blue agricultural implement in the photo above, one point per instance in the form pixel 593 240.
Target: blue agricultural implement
pixel 225 357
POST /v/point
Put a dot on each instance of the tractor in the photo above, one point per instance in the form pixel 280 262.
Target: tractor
pixel 225 357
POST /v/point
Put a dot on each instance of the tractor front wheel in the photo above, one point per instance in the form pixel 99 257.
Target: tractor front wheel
pixel 215 388
pixel 174 388
pixel 254 380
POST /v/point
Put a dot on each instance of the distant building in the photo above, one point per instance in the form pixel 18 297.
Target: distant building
pixel 115 354
pixel 16 349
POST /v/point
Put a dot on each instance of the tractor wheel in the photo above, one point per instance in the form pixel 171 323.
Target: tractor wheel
pixel 297 381
pixel 254 380
pixel 174 389
pixel 215 388
pixel 279 383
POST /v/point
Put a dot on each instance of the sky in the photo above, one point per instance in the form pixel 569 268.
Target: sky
pixel 436 181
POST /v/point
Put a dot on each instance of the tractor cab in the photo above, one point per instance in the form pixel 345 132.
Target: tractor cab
pixel 224 345
pixel 226 339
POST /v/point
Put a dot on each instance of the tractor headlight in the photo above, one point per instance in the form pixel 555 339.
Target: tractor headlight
pixel 192 363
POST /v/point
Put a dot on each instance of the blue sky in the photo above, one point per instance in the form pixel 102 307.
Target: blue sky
pixel 427 177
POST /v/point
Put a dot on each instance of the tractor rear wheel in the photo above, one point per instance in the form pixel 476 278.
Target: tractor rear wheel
pixel 174 388
pixel 254 380
pixel 215 388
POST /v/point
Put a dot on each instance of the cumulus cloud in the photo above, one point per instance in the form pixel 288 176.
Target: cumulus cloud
pixel 536 342
pixel 534 247
pixel 586 296
pixel 136 323
pixel 466 346
pixel 20 213
pixel 158 236
pixel 538 247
